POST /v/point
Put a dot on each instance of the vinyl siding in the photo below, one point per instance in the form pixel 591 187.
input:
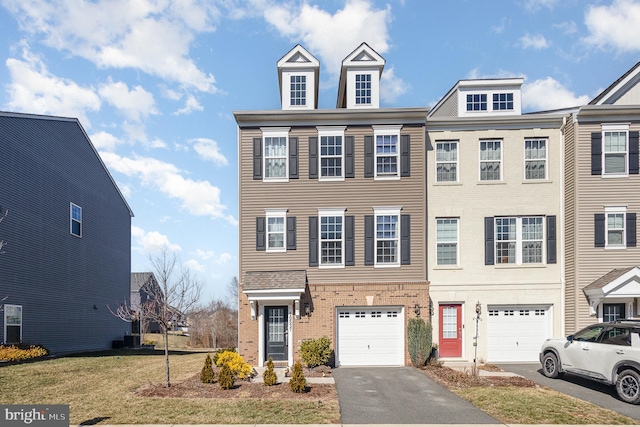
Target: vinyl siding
pixel 56 277
pixel 303 197
pixel 570 224
pixel 449 108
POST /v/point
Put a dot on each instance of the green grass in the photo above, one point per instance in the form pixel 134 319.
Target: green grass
pixel 538 405
pixel 99 388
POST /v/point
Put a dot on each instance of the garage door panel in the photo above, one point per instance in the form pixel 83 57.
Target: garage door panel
pixel 515 333
pixel 370 336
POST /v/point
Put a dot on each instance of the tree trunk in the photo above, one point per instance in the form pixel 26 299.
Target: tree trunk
pixel 166 354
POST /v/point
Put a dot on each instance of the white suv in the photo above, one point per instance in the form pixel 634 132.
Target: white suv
pixel 605 352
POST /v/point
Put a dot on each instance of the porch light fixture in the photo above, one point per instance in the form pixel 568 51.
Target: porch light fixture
pixel 416 309
pixel 307 309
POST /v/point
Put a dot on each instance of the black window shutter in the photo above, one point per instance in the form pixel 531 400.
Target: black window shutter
pixel 313 241
pixel 349 240
pixel 405 240
pixel 293 158
pixel 261 234
pixel 313 157
pixel 369 240
pixel 405 155
pixel 257 158
pixel 631 230
pixel 551 240
pixel 598 226
pixel 369 157
pixel 596 153
pixel 291 233
pixel 488 241
pixel 349 161
pixel 634 152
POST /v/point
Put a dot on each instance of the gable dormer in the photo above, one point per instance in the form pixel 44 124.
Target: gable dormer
pixel 481 98
pixel 624 91
pixel 298 76
pixel 359 85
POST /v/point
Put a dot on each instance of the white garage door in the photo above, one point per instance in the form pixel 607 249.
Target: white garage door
pixel 516 333
pixel 370 336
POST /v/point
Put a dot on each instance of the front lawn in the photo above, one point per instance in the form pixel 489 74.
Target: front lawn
pixel 103 388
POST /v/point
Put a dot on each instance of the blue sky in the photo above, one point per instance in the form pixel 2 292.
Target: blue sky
pixel 154 83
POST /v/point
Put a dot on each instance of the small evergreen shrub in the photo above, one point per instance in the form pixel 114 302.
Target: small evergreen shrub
pixel 315 352
pixel 220 351
pixel 298 382
pixel 225 377
pixel 207 375
pixel 18 352
pixel 269 377
pixel 239 368
pixel 420 341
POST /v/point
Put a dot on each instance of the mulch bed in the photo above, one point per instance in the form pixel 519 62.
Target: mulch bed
pixel 452 378
pixel 193 388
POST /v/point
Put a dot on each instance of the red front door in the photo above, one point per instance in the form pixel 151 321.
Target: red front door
pixel 450 330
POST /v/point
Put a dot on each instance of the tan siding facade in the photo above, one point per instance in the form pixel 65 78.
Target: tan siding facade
pixel 570 224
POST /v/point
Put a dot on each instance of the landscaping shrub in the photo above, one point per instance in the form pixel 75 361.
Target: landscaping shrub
pixel 269 377
pixel 220 351
pixel 315 352
pixel 236 363
pixel 225 377
pixel 420 340
pixel 17 352
pixel 207 375
pixel 298 382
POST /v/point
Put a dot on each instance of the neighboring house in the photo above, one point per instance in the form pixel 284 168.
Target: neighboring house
pixel 332 228
pixel 68 235
pixel 494 215
pixel 146 305
pixel 602 202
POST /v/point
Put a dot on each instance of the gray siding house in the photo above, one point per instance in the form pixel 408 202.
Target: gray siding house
pixel 67 231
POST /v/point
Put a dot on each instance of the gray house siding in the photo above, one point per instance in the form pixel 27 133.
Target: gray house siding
pixel 64 283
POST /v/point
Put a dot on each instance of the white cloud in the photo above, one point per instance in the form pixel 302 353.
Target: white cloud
pixel 498 29
pixel 391 86
pixel 194 265
pixel 105 141
pixel 533 41
pixel 199 198
pixel 34 89
pixel 136 103
pixel 332 37
pixel 150 242
pixel 549 94
pixel 150 36
pixel 208 149
pixel 567 27
pixel 535 5
pixel 616 26
pixel 137 133
pixel 212 256
pixel 190 105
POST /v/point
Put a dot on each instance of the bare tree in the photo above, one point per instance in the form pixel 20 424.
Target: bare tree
pixel 176 292
pixel 232 293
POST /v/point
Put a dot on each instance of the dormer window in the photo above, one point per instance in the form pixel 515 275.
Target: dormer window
pixel 299 90
pixel 363 89
pixel 502 101
pixel 477 102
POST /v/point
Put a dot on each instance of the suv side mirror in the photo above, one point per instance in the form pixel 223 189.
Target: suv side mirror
pixel 570 338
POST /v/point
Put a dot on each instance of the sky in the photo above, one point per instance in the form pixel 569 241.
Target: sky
pixel 155 83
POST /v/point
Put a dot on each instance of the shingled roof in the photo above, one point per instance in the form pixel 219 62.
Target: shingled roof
pixel 272 280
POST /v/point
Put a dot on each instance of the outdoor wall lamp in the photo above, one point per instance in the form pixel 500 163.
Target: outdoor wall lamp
pixel 307 309
pixel 416 309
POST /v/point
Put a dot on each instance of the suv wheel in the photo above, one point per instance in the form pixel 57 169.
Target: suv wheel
pixel 550 365
pixel 628 386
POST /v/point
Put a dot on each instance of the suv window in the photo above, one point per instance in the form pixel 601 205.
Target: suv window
pixel 617 336
pixel 589 334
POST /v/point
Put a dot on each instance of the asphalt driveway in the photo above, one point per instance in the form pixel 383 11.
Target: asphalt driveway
pixel 400 396
pixel 591 391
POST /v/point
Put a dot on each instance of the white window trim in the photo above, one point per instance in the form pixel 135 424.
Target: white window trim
pixel 457 161
pixel 330 131
pixel 457 264
pixel 617 127
pixel 546 159
pixel 286 89
pixel 615 210
pixel 519 241
pixel 480 161
pixel 6 324
pixel 381 211
pixel 71 219
pixel 276 213
pixel 330 212
pixel 393 130
pixel 513 101
pixel 275 133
